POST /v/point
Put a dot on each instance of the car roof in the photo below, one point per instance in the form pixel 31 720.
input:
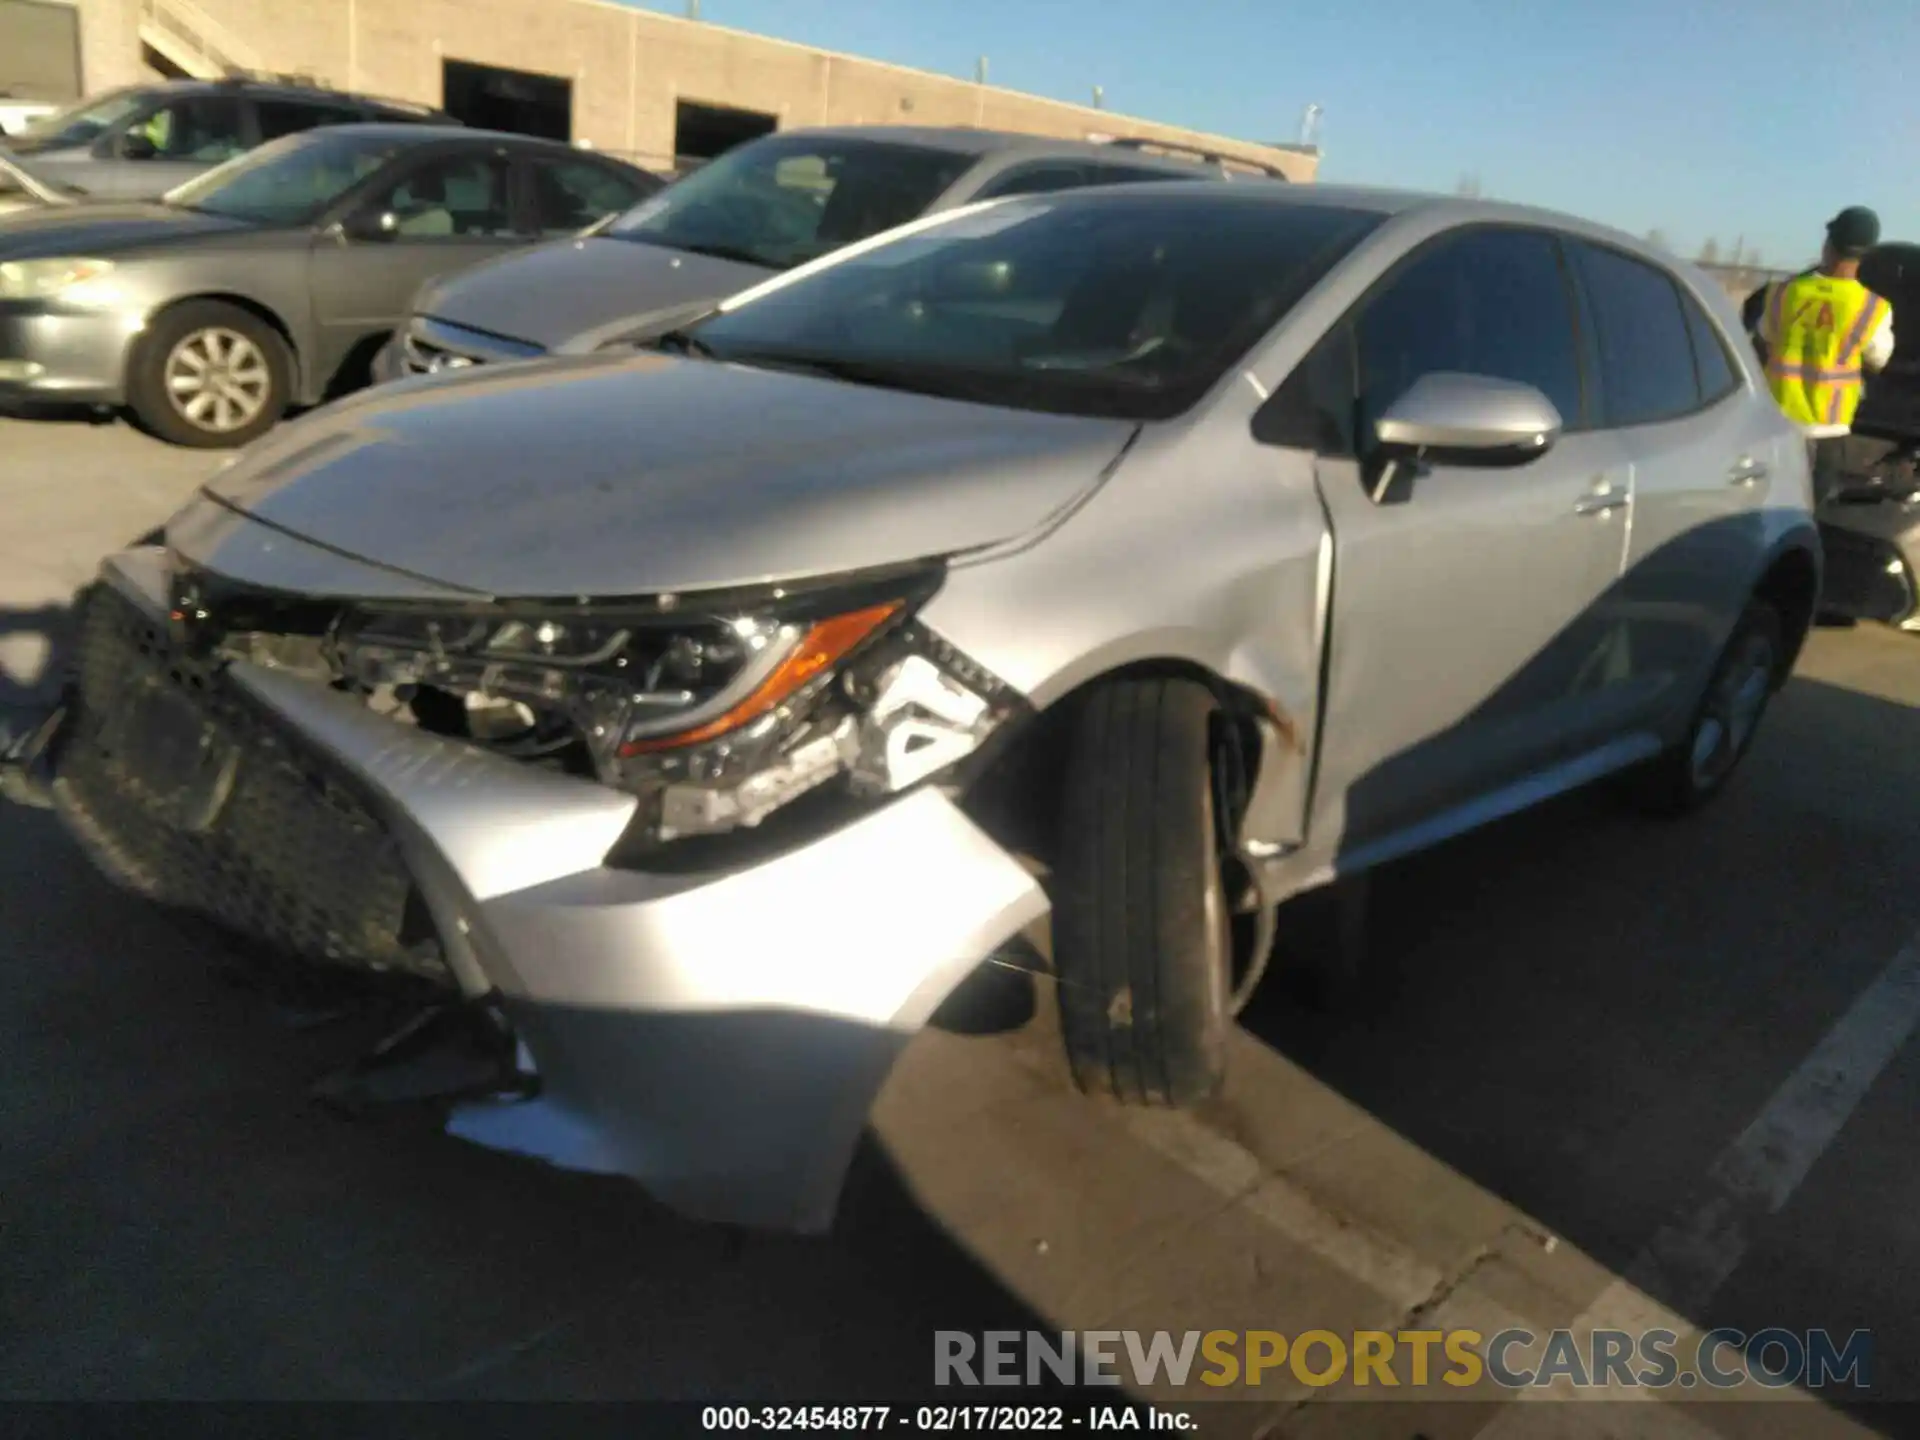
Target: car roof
pixel 253 85
pixel 1442 211
pixel 401 130
pixel 965 140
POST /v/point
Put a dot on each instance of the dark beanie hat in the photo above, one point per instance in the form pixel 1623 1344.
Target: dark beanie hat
pixel 1854 231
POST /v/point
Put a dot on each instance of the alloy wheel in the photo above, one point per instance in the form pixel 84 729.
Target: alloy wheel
pixel 1733 710
pixel 218 380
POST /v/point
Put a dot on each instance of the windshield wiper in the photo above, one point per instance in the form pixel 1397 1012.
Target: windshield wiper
pixel 683 341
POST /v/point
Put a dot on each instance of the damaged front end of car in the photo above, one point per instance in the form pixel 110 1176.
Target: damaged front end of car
pixel 697 856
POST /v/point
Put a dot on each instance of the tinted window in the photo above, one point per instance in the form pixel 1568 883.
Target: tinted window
pixel 785 200
pixel 1646 359
pixel 1107 302
pixel 290 117
pixel 1314 409
pixel 1485 302
pixel 288 182
pixel 450 197
pixel 1133 174
pixel 1710 360
pixel 1036 180
pixel 573 194
pixel 206 129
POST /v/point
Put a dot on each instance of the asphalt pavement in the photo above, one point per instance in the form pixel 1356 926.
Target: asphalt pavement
pixel 1624 1073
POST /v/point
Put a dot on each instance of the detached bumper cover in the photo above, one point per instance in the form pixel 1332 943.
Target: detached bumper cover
pixel 718 1037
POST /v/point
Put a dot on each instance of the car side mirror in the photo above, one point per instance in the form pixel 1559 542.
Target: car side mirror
pixel 371 225
pixel 1453 419
pixel 137 146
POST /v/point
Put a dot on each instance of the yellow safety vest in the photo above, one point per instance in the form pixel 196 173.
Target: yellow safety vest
pixel 1819 326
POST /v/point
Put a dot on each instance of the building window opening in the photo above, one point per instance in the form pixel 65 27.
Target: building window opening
pixel 488 97
pixel 703 132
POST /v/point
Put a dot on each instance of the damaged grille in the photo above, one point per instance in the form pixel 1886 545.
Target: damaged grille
pixel 187 791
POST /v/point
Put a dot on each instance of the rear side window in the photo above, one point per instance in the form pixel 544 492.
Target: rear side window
pixel 571 195
pixel 1717 376
pixel 1646 355
pixel 1038 180
pixel 1490 302
pixel 290 117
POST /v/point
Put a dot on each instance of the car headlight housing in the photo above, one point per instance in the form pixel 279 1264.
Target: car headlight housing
pixel 45 279
pixel 716 716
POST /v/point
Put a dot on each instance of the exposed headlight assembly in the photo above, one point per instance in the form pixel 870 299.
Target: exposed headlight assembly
pixel 45 279
pixel 716 721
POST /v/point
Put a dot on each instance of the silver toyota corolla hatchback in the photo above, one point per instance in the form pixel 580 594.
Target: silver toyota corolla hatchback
pixel 1136 559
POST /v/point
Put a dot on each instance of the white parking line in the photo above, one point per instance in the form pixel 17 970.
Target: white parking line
pixel 1694 1252
pixel 1691 1256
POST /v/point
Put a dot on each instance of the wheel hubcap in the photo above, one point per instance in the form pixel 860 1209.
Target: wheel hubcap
pixel 1738 696
pixel 217 380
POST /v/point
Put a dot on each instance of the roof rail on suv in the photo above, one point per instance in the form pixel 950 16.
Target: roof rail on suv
pixel 235 77
pixel 1146 145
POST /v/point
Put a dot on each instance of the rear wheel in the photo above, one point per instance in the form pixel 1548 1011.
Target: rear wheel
pixel 1685 777
pixel 1142 931
pixel 209 375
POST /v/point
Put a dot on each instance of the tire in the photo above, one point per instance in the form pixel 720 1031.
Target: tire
pixel 248 396
pixel 1141 936
pixel 1744 678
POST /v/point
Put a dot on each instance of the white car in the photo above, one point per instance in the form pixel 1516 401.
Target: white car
pixel 16 115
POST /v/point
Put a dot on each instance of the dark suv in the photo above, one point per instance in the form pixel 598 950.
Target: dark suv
pixel 142 141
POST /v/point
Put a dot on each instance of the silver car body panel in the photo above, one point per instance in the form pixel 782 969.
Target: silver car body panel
pixel 629 483
pixel 715 1036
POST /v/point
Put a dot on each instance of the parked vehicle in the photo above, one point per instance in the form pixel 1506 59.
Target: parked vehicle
pixel 19 190
pixel 139 142
pixel 705 715
pixel 17 115
pixel 1870 525
pixel 762 208
pixel 272 280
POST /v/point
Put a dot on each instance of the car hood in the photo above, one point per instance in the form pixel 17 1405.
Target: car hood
pixel 554 294
pixel 641 474
pixel 25 180
pixel 103 229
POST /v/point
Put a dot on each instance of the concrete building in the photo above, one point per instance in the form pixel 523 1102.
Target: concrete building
pixel 647 85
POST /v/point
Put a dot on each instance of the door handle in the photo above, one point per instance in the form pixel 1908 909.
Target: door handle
pixel 1600 502
pixel 1746 471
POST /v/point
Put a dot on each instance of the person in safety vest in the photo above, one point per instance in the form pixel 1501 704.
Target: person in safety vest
pixel 1822 332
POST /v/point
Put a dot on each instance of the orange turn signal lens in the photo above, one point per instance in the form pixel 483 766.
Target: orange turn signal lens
pixel 823 645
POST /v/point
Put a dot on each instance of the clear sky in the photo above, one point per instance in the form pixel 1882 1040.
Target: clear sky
pixel 1721 118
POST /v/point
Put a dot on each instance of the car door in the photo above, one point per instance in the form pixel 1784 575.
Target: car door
pixel 169 145
pixel 442 211
pixel 1462 614
pixel 1701 454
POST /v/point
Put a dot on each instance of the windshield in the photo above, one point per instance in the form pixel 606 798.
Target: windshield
pixel 1125 302
pixel 780 202
pixel 288 182
pixel 80 123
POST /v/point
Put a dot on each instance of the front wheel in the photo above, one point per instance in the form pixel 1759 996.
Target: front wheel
pixel 1685 777
pixel 209 375
pixel 1142 930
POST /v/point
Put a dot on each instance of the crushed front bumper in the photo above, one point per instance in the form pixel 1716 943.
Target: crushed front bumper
pixel 718 1037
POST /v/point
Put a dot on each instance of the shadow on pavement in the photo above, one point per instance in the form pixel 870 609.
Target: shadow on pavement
pixel 1584 1007
pixel 181 1223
